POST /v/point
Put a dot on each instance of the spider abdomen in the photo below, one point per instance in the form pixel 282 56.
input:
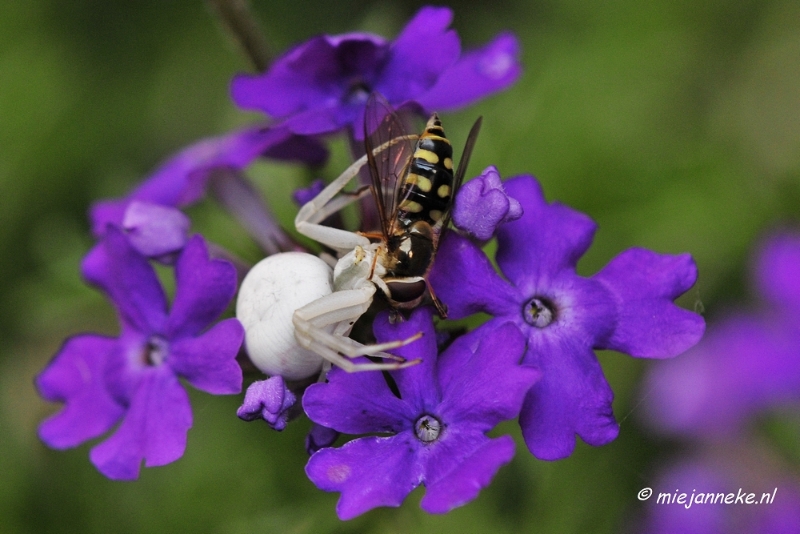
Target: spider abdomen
pixel 269 296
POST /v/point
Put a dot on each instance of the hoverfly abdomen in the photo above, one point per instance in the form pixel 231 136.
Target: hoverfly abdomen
pixel 428 185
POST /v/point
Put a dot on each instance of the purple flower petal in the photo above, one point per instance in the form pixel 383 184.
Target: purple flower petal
pixel 75 377
pixel 325 120
pixel 482 205
pixel 369 472
pixel 410 73
pixel 208 361
pixel 302 196
pixel 121 374
pixel 269 400
pixel 356 403
pixel 697 519
pixel 178 182
pixel 778 271
pixel 471 473
pixel 319 437
pixel 416 384
pixel 706 480
pixel 310 76
pixel 782 516
pixel 154 428
pixel 128 279
pixel 205 287
pixel 107 212
pixel 298 149
pixel 318 87
pixel 644 284
pixel 438 443
pixel 182 179
pixel 548 239
pixel 477 73
pixel 571 398
pixel 744 364
pixel 628 306
pixel 470 379
pixel 465 280
pixel 155 230
pixel 323 85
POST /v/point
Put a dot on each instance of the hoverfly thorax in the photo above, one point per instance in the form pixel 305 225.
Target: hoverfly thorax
pixel 411 251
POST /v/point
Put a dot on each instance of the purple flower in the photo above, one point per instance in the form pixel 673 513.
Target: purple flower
pixel 134 377
pixel 778 273
pixel 482 205
pixel 627 307
pixel 706 481
pixel 323 84
pixel 269 400
pixel 670 516
pixel 432 421
pixel 182 179
pixel 155 230
pixel 748 362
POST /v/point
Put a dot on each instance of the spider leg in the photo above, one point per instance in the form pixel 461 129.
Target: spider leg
pixel 318 208
pixel 352 367
pixel 340 240
pixel 327 258
pixel 338 204
pixel 341 309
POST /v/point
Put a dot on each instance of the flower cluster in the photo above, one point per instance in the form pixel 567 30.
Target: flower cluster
pixel 627 307
pixel 134 377
pixel 748 363
pixel 423 420
pixel 434 423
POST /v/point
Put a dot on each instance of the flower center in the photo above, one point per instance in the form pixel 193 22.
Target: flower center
pixel 538 312
pixel 155 351
pixel 427 428
pixel 358 92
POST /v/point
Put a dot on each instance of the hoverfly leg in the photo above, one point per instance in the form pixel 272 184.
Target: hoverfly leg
pixel 441 307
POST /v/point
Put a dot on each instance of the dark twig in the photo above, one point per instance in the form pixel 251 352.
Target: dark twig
pixel 236 17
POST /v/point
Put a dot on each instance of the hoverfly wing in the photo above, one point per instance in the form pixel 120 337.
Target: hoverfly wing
pixel 458 179
pixel 387 164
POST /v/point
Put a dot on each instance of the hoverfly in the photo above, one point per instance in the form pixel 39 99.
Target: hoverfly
pixel 414 187
pixel 297 313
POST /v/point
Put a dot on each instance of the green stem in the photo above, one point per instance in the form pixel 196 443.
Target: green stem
pixel 239 21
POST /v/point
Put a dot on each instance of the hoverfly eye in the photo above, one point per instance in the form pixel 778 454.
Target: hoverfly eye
pixel 406 291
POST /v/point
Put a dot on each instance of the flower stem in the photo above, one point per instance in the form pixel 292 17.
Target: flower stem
pixel 239 21
pixel 242 200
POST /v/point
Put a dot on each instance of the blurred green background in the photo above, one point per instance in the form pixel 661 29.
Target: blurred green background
pixel 674 124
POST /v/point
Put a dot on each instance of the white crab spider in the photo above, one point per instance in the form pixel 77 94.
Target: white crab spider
pixel 297 312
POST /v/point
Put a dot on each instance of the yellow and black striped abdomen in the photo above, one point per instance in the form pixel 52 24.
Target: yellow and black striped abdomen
pixel 428 184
